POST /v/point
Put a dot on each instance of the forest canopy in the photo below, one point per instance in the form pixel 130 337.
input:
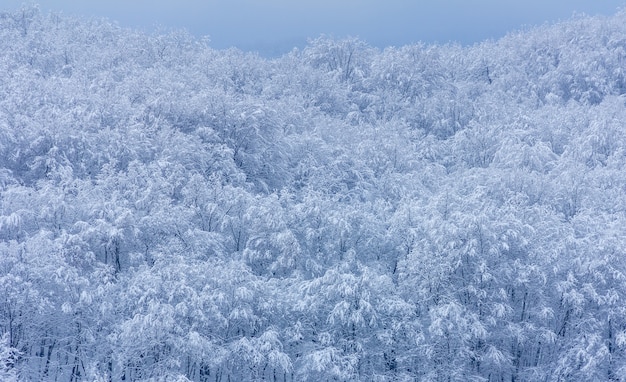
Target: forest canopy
pixel 169 211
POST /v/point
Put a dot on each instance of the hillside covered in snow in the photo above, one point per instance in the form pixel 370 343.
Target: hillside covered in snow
pixel 172 212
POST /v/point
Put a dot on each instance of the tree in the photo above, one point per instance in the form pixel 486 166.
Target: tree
pixel 8 360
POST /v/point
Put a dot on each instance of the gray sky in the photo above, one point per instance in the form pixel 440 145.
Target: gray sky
pixel 275 26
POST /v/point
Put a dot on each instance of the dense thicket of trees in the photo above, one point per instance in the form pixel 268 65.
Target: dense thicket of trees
pixel 173 212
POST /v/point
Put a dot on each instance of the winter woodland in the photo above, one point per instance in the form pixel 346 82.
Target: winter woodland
pixel 172 212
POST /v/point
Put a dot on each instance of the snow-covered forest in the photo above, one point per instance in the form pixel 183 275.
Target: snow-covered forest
pixel 172 212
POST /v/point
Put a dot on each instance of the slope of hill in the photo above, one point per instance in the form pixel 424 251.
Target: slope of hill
pixel 173 212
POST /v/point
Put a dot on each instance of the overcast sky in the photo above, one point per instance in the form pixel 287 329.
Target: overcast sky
pixel 274 26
